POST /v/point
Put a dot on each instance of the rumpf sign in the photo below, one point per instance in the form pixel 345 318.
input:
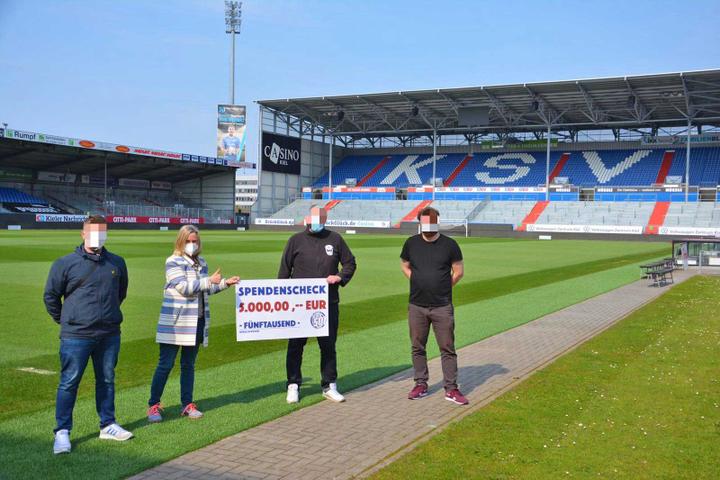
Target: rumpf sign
pixel 275 309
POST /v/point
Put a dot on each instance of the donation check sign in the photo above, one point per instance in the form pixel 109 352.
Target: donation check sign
pixel 274 309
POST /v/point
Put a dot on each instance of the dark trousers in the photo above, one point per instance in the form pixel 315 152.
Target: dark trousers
pixel 168 353
pixel 74 356
pixel 328 358
pixel 442 320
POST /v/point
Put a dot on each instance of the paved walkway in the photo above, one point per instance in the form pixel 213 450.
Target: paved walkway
pixel 377 424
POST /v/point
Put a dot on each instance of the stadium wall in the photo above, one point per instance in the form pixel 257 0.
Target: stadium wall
pixel 29 222
pixel 275 190
pixel 496 231
pixel 214 191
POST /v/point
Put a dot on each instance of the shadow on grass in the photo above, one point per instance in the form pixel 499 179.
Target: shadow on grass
pixel 171 413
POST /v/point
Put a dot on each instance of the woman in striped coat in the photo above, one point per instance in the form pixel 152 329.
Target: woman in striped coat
pixel 184 319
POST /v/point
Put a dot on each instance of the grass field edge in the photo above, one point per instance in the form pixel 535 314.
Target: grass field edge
pixel 517 380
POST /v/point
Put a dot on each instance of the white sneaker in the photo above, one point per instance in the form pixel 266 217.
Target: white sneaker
pixel 115 432
pixel 62 442
pixel 332 394
pixel 293 393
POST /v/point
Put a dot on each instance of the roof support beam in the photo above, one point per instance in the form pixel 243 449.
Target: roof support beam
pixel 17 154
pixel 713 85
pixel 507 115
pixel 422 110
pixel 451 101
pixel 597 115
pixel 311 115
pixel 578 105
pixel 547 112
pixel 381 112
pixel 530 128
pixel 639 110
pixel 76 159
pixel 111 166
pixel 689 109
pixel 346 118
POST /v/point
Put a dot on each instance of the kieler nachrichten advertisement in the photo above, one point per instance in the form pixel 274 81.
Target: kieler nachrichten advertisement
pixel 281 154
pixel 231 134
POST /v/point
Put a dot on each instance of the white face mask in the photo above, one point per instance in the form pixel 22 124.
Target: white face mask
pixel 429 227
pixel 95 239
pixel 191 248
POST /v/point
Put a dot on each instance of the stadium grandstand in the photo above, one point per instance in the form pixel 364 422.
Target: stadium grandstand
pixel 635 155
pixel 47 180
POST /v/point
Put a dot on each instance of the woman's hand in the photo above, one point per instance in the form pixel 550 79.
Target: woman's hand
pixel 232 280
pixel 216 277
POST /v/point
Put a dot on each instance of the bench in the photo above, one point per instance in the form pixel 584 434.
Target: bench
pixel 660 277
pixel 659 272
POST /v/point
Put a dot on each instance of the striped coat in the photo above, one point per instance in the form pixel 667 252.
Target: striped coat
pixel 179 313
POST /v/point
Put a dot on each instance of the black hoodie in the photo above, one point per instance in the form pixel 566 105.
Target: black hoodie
pixel 317 255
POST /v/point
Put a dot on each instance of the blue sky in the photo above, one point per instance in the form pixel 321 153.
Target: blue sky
pixel 151 73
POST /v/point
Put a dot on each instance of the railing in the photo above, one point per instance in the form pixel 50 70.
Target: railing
pixel 210 215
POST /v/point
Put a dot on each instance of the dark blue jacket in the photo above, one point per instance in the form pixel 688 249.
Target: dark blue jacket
pixel 93 308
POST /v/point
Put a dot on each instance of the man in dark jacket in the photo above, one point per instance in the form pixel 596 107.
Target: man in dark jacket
pixel 83 294
pixel 315 253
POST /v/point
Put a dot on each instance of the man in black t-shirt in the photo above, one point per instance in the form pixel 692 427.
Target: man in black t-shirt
pixel 434 264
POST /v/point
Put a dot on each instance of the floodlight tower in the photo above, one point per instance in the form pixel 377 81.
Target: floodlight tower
pixel 233 19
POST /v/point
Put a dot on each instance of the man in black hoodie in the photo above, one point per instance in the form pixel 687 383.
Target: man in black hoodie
pixel 83 294
pixel 316 253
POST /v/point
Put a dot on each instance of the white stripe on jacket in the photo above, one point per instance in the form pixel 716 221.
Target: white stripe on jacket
pixel 179 313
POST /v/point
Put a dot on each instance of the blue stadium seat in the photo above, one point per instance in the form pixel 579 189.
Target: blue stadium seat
pixel 622 167
pixel 614 167
pixel 10 195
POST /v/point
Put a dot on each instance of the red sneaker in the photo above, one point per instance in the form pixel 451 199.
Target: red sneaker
pixel 153 413
pixel 192 412
pixel 419 391
pixel 456 397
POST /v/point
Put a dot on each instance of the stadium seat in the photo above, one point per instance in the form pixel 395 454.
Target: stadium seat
pixel 11 195
pixel 592 167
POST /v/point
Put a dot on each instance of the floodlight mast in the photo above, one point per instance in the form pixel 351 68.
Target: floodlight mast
pixel 233 19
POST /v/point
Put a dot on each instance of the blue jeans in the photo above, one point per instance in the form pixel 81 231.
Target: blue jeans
pixel 168 353
pixel 74 356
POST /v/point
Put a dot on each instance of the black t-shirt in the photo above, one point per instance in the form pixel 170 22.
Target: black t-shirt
pixel 430 263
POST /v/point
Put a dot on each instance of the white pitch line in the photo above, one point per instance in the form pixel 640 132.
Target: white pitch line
pixel 39 371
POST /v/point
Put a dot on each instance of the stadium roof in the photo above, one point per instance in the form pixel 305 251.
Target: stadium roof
pixel 661 100
pixel 42 152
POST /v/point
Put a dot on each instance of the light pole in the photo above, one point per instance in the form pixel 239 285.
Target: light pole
pixel 233 19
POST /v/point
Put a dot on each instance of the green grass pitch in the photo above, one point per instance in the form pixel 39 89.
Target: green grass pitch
pixel 643 404
pixel 239 385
